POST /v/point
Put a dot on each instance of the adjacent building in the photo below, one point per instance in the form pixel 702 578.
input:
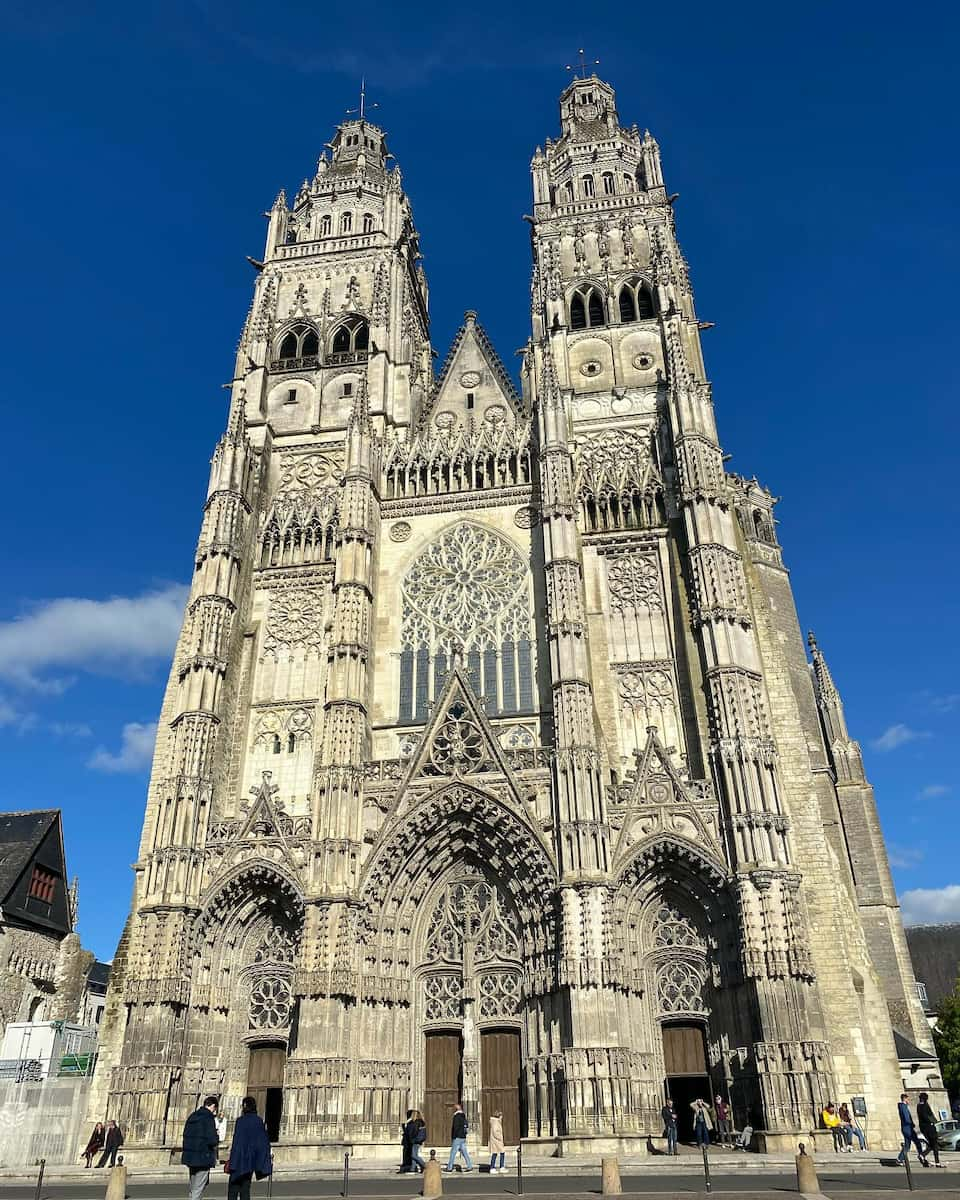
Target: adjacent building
pixel 492 765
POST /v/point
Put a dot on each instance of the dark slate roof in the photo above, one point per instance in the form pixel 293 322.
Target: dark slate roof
pixel 935 954
pixel 20 835
pixel 99 974
pixel 908 1052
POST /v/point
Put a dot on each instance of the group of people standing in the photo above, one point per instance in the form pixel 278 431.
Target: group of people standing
pixel 414 1133
pixel 709 1124
pixel 250 1154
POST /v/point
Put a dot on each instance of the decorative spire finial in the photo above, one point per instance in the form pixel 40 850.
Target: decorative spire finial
pixel 580 72
pixel 361 109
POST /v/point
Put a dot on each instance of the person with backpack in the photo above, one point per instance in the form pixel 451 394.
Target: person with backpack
pixel 418 1135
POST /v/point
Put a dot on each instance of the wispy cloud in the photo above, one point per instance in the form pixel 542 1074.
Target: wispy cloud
pixel 135 753
pixel 904 857
pixel 12 717
pixel 933 791
pixel 896 736
pixel 120 635
pixel 70 729
pixel 931 906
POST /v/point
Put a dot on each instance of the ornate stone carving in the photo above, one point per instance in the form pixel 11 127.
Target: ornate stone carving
pixel 526 516
pixel 400 531
pixel 680 988
pixel 295 619
pixel 634 582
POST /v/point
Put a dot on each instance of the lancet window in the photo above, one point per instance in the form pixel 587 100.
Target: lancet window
pixel 586 308
pixel 470 590
pixel 636 301
pixel 350 341
pixel 298 348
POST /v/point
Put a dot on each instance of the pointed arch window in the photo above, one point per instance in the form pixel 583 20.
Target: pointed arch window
pixel 368 222
pixel 587 307
pixel 636 301
pixel 469 588
pixel 350 341
pixel 299 347
pixel 346 223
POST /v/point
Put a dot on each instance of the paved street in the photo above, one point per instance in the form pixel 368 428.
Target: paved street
pixel 890 1183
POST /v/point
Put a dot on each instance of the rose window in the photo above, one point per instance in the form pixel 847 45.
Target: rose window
pixel 270 1003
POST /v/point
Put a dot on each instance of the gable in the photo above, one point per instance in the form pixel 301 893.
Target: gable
pixel 33 871
pixel 473 383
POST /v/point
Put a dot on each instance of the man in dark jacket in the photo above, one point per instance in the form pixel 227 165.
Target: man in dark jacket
pixel 458 1139
pixel 200 1141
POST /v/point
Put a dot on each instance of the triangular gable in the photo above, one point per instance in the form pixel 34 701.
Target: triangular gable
pixel 473 368
pixel 263 816
pixel 21 835
pixel 661 802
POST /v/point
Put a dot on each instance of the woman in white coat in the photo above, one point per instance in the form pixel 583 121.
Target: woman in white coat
pixel 495 1143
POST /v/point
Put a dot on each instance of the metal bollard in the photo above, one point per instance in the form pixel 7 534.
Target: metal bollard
pixel 273 1164
pixel 906 1167
pixel 346 1174
pixel 43 1165
pixel 706 1170
pixel 519 1171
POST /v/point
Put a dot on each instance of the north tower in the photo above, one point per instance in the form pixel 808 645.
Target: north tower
pixel 491 766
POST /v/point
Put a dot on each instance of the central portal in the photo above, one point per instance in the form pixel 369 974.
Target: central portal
pixel 265 1084
pixel 687 1077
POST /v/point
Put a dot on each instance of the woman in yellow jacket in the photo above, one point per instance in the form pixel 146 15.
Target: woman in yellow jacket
pixel 831 1120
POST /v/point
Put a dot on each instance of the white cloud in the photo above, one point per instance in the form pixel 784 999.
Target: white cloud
pixel 904 857
pixel 136 750
pixel 934 790
pixel 70 729
pixel 931 906
pixel 895 736
pixel 118 635
pixel 14 718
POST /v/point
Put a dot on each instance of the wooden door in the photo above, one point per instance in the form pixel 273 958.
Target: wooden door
pixel 443 1079
pixel 684 1049
pixel 500 1083
pixel 265 1084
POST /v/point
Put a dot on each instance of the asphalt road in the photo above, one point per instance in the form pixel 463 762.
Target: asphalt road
pixel 889 1184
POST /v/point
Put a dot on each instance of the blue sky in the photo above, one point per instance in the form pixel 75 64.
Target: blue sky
pixel 814 150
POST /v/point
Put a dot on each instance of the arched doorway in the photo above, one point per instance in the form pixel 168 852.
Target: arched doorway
pixel 265 1071
pixel 470 985
pixel 686 1075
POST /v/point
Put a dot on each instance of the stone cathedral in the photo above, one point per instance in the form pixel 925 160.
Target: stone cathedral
pixel 492 765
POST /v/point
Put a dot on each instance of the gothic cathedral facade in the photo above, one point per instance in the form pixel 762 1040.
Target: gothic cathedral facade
pixel 491 765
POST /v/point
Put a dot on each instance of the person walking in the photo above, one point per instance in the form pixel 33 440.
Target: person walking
pixel 495 1143
pixel 702 1122
pixel 851 1127
pixel 249 1152
pixel 458 1139
pixel 722 1112
pixel 831 1121
pixel 669 1115
pixel 417 1137
pixel 200 1144
pixel 112 1141
pixel 406 1154
pixel 95 1145
pixel 927 1121
pixel 909 1132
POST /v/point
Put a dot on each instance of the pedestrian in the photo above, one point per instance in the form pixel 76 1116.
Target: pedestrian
pixel 200 1144
pixel 495 1144
pixel 95 1145
pixel 458 1139
pixel 669 1115
pixel 702 1122
pixel 831 1121
pixel 722 1111
pixel 406 1154
pixel 112 1141
pixel 927 1120
pixel 909 1132
pixel 851 1127
pixel 249 1152
pixel 418 1137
